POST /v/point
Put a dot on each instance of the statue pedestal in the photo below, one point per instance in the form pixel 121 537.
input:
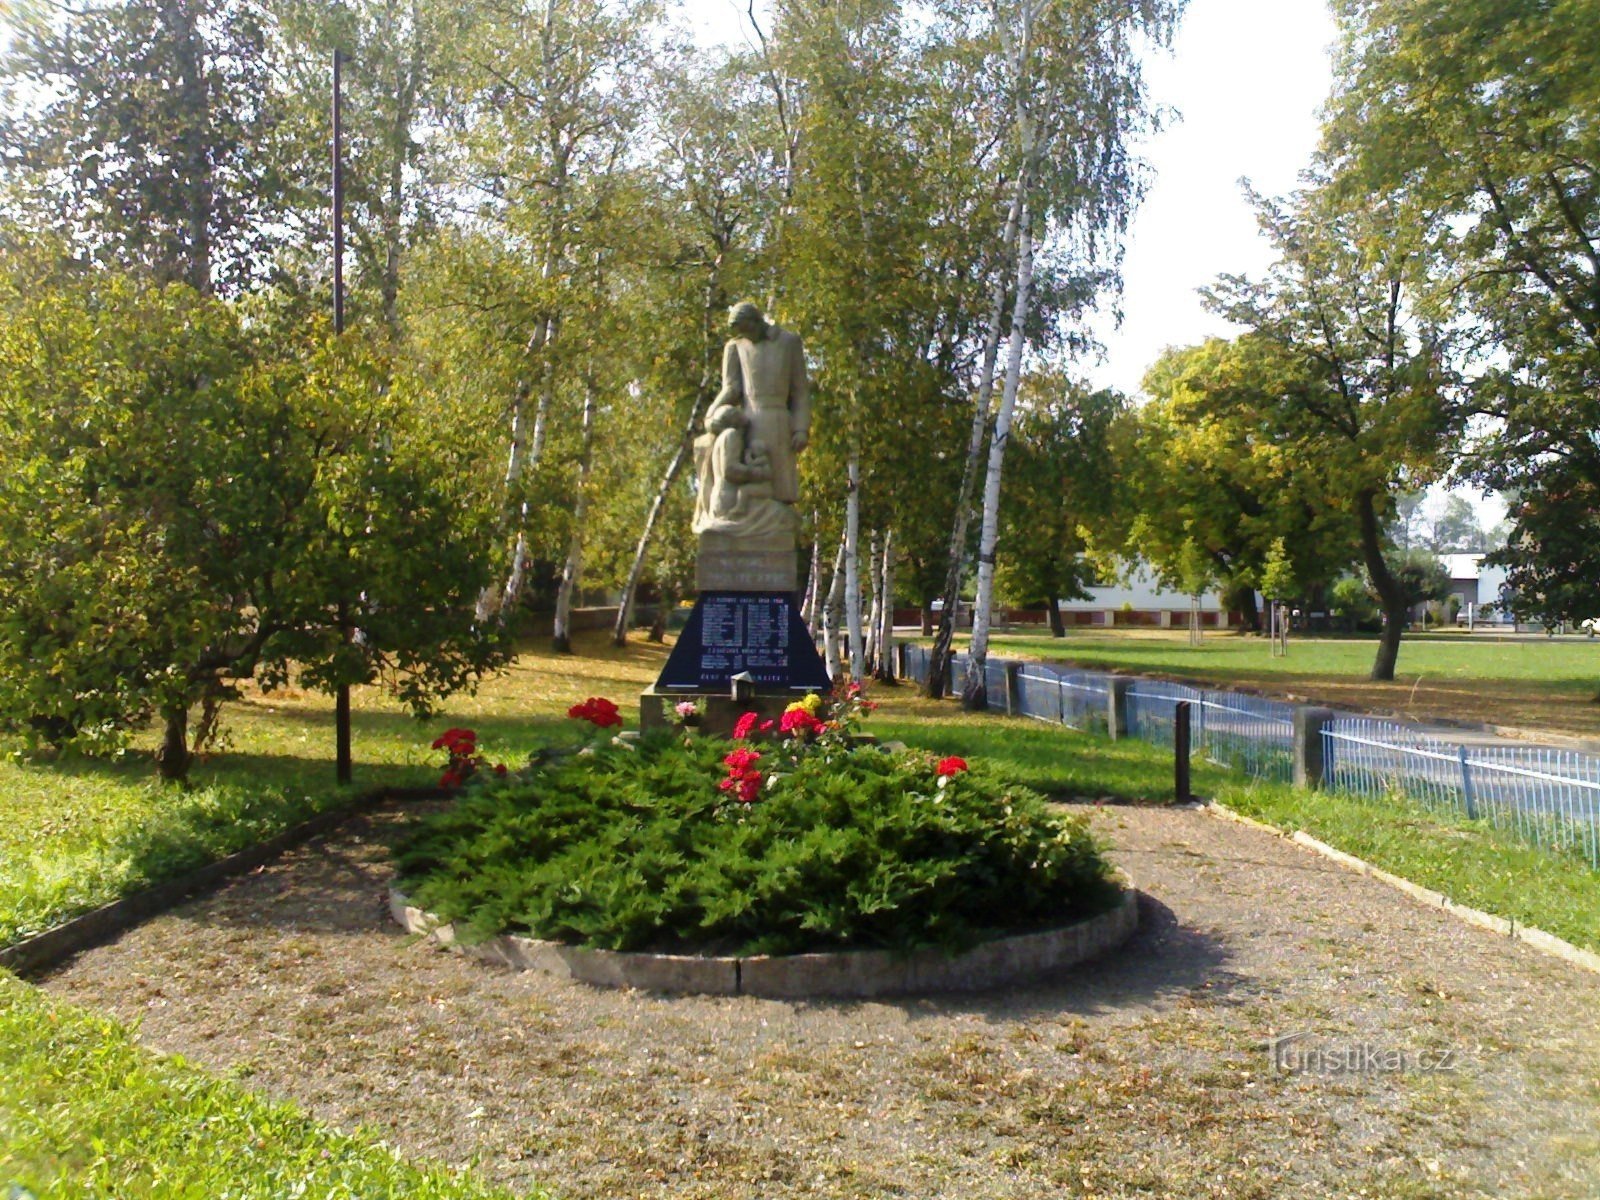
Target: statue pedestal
pixel 741 564
pixel 730 633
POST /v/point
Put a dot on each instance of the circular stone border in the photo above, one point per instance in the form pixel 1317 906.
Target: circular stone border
pixel 847 973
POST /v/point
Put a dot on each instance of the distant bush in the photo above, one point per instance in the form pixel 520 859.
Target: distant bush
pixel 638 847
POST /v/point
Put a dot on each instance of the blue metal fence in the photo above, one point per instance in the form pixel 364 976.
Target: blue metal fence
pixel 1540 795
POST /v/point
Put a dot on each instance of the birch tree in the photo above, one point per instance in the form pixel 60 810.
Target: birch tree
pixel 555 113
pixel 1077 100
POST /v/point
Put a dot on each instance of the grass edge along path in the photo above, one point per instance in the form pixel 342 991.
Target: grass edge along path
pixel 1464 860
pixel 85 1112
pixel 1460 859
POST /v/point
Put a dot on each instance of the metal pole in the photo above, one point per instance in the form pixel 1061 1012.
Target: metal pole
pixel 338 197
pixel 1180 753
pixel 341 696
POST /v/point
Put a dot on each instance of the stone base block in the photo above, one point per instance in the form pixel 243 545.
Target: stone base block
pixel 718 711
pixel 745 570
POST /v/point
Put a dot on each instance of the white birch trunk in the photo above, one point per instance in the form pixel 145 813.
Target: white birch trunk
pixel 852 567
pixel 572 572
pixel 875 610
pixel 939 664
pixel 808 607
pixel 886 670
pixel 974 694
pixel 830 614
pixel 619 632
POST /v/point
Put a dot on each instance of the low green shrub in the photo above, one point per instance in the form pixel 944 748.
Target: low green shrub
pixel 637 847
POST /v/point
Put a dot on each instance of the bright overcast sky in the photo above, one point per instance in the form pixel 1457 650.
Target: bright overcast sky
pixel 1247 78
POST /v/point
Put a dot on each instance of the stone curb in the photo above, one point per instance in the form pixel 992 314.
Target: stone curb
pixel 1538 939
pixel 44 950
pixel 850 973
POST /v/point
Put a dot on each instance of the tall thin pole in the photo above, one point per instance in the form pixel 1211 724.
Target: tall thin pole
pixel 341 697
pixel 338 197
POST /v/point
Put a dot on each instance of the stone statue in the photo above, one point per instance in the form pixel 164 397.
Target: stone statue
pixel 757 425
pixel 735 499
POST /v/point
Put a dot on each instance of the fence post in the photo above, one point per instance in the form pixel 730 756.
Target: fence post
pixel 1309 763
pixel 1117 706
pixel 1061 701
pixel 1180 753
pixel 902 660
pixel 1013 689
pixel 1467 792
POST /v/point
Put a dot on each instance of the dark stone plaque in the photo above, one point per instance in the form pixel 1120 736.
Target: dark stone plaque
pixel 729 633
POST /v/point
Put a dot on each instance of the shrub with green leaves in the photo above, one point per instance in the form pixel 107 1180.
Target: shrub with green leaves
pixel 632 848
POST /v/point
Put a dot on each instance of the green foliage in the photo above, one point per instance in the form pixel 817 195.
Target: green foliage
pixel 155 151
pixel 1420 575
pixel 1062 480
pixel 86 1113
pixel 631 848
pixel 1350 600
pixel 1215 480
pixel 189 497
pixel 1482 112
pixel 1277 574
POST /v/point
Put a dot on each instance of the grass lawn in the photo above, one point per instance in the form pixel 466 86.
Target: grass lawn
pixel 85 1112
pixel 1530 682
pixel 79 833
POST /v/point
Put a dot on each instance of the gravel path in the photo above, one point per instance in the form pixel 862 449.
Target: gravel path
pixel 1476 1061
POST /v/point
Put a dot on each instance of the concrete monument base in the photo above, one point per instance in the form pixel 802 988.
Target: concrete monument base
pixel 728 569
pixel 718 710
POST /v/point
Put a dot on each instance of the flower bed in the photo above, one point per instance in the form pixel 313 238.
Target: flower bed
pixel 791 840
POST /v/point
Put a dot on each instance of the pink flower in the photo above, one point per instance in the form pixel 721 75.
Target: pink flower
pixel 684 708
pixel 950 766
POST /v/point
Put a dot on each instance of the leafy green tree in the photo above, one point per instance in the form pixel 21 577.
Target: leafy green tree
pixel 1481 112
pixel 1073 101
pixel 189 500
pixel 144 130
pixel 1373 412
pixel 1062 483
pixel 1456 529
pixel 1208 471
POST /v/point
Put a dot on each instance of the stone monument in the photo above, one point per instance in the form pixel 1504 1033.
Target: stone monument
pixel 745 632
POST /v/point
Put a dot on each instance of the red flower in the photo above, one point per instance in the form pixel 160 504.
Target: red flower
pixel 598 711
pixel 499 768
pixel 744 725
pixel 449 780
pixel 750 787
pixel 740 760
pixel 799 721
pixel 456 741
pixel 951 766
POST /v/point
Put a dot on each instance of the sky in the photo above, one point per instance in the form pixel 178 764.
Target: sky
pixel 1246 78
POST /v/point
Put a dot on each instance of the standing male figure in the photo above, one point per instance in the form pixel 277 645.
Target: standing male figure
pixel 764 373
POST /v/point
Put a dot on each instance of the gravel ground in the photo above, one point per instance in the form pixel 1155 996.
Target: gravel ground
pixel 1437 1061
